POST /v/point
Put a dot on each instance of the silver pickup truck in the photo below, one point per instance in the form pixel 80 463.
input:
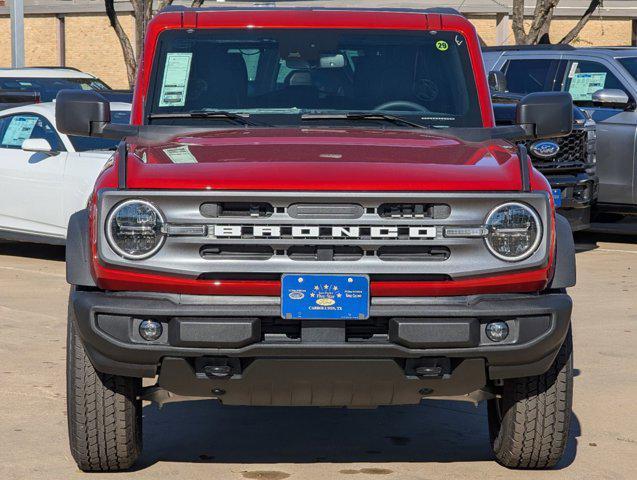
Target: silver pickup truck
pixel 602 81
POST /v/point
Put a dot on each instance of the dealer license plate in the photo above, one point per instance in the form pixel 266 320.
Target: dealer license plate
pixel 325 297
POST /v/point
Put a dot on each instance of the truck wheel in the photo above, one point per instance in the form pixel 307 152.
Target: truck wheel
pixel 104 412
pixel 529 424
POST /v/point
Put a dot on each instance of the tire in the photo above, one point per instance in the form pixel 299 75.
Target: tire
pixel 529 424
pixel 104 412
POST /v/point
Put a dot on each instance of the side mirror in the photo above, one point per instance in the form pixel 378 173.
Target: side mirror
pixel 37 145
pixel 546 114
pixel 84 113
pixel 612 96
pixel 497 81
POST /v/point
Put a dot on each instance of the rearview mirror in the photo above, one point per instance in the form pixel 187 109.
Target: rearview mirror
pixel 546 114
pixel 84 113
pixel 37 145
pixel 612 96
pixel 497 81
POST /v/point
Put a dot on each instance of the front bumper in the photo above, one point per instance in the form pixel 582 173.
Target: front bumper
pixel 579 193
pixel 244 336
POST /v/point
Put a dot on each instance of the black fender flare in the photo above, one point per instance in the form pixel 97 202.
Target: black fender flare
pixel 78 252
pixel 565 274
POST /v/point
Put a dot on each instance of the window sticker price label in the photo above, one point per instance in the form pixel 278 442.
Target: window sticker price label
pixel 175 82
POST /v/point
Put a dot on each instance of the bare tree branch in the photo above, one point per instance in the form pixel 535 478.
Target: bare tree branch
pixel 163 4
pixel 197 3
pixel 541 22
pixel 124 41
pixel 570 36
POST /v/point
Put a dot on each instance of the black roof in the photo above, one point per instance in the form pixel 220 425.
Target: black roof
pixel 514 48
pixel 435 10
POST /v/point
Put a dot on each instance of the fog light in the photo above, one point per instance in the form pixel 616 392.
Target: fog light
pixel 150 330
pixel 497 331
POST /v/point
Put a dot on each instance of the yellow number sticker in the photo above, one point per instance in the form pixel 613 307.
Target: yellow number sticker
pixel 442 45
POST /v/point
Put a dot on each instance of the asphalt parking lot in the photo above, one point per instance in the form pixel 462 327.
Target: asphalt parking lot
pixel 202 440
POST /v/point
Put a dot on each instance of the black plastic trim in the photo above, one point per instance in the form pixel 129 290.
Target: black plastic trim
pixel 78 258
pixel 524 168
pixel 122 161
pixel 565 275
pixel 14 236
pixel 87 305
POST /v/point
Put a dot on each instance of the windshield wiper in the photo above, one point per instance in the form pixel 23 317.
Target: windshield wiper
pixel 362 116
pixel 241 119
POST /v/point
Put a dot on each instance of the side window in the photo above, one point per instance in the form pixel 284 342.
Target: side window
pixel 529 76
pixel 15 129
pixel 585 78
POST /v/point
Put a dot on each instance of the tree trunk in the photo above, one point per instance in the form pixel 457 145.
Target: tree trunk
pixel 517 22
pixel 127 49
pixel 541 22
pixel 143 12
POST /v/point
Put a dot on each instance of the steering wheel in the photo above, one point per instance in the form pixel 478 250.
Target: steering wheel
pixel 401 104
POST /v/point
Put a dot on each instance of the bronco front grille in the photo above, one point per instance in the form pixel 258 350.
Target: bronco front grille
pixel 398 235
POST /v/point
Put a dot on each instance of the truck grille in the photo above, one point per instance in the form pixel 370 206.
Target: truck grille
pixel 397 235
pixel 574 154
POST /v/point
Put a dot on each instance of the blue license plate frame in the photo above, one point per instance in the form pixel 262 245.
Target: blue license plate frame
pixel 325 297
pixel 557 197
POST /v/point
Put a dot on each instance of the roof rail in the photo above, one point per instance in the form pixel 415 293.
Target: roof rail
pixel 542 46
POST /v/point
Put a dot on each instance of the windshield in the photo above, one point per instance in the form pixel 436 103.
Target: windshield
pixel 630 64
pixel 285 76
pixel 85 144
pixel 49 87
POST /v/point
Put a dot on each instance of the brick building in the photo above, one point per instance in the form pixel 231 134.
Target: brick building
pixel 77 32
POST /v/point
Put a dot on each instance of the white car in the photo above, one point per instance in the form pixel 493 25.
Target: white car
pixel 45 176
pixel 48 81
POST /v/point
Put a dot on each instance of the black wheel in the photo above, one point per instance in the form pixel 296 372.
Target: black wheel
pixel 529 424
pixel 104 412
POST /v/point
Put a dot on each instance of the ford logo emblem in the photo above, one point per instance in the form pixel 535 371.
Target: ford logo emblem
pixel 545 149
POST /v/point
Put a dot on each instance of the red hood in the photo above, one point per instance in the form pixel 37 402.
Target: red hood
pixel 324 159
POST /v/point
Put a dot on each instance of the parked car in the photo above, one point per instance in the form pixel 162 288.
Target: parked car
pixel 16 98
pixel 48 81
pixel 45 175
pixel 314 207
pixel 568 163
pixel 602 81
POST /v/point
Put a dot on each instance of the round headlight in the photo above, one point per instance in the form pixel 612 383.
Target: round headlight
pixel 515 231
pixel 134 229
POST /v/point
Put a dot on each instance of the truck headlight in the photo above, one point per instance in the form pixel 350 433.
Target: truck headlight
pixel 515 231
pixel 135 229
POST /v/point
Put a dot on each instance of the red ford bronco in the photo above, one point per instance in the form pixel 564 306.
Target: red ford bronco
pixel 315 207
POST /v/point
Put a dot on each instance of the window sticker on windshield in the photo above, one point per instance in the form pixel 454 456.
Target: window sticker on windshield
pixel 584 85
pixel 175 81
pixel 442 45
pixel 180 155
pixel 18 131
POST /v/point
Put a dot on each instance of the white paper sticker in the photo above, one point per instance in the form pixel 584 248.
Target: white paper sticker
pixel 180 155
pixel 175 82
pixel 583 85
pixel 19 130
pixel 574 66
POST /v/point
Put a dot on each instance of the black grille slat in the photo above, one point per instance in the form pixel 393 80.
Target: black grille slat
pixel 573 153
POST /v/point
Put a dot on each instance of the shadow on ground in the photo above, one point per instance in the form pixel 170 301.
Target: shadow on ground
pixel 435 431
pixel 587 241
pixel 33 250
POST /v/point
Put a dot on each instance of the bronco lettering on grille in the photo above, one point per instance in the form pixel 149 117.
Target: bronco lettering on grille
pixel 316 231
